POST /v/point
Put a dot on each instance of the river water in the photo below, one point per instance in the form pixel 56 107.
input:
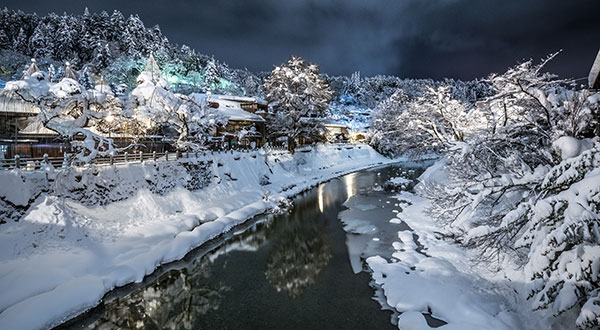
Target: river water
pixel 298 270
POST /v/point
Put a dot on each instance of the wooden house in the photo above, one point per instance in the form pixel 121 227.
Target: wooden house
pixel 245 126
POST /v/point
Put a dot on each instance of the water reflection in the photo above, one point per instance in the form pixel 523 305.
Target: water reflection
pixel 300 253
pixel 349 180
pixel 320 193
pixel 176 301
pixel 288 271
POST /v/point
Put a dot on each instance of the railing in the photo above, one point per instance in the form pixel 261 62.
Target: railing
pixel 33 164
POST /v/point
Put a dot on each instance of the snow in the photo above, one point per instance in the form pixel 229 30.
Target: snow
pixel 436 277
pixel 228 107
pixel 400 180
pixel 13 190
pixel 569 147
pixel 67 251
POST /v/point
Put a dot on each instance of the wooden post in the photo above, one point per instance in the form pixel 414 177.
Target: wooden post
pixel 154 155
pixel 17 161
pixel 65 163
pixel 166 155
pixel 46 159
pixel 126 159
pixel 141 157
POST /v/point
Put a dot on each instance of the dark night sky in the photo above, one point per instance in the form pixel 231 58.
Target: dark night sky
pixel 409 38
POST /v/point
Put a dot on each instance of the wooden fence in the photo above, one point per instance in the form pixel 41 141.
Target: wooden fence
pixel 33 164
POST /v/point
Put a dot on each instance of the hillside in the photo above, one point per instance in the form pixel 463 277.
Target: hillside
pixel 112 46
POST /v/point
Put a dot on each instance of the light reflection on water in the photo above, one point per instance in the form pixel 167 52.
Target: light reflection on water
pixel 291 271
pixel 349 180
pixel 321 191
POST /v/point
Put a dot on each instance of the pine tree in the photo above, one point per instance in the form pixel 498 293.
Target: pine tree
pixel 51 73
pixel 211 75
pixel 65 36
pixel 85 79
pixel 4 40
pixel 20 42
pixel 41 42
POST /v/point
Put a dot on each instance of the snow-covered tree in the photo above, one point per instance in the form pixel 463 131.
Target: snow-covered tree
pixel 436 120
pixel 526 188
pixel 20 42
pixel 211 75
pixel 299 98
pixel 562 235
pixel 66 108
pixel 156 108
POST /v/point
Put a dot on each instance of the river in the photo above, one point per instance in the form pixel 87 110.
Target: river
pixel 301 269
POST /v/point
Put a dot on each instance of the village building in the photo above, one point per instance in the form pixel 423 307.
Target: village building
pixel 336 131
pixel 20 132
pixel 245 128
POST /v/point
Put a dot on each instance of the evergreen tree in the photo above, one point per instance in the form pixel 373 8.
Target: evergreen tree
pixel 4 40
pixel 211 75
pixel 41 42
pixel 20 42
pixel 85 79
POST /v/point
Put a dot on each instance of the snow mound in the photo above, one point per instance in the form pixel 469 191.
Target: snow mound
pixel 569 147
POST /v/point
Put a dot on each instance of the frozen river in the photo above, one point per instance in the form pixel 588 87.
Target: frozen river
pixel 299 270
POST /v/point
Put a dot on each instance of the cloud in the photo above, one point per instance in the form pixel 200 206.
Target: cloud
pixel 409 38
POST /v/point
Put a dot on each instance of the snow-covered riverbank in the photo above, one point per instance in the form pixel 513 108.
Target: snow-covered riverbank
pixel 428 274
pixel 65 253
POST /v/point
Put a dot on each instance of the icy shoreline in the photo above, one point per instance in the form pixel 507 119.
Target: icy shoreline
pixel 428 274
pixel 63 255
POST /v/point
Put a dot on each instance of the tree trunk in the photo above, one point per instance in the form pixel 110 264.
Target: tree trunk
pixel 291 144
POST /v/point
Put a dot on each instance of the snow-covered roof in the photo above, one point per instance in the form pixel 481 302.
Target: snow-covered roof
pixel 233 98
pixel 36 127
pixel 14 105
pixel 594 77
pixel 240 99
pixel 340 125
pixel 228 108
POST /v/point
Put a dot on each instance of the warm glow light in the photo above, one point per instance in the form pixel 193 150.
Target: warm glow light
pixel 109 118
pixel 350 189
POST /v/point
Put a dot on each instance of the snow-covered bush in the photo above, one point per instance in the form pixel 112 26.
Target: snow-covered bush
pixel 562 236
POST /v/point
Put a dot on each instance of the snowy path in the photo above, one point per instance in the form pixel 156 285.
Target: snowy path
pixel 62 257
